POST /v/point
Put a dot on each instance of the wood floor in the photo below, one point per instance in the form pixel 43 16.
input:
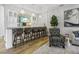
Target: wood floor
pixel 2 44
pixel 27 48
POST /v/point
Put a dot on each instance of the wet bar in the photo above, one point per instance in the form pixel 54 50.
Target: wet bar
pixel 22 35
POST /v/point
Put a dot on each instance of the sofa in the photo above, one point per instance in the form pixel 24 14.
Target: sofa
pixel 75 38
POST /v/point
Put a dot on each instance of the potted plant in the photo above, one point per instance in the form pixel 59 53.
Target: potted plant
pixel 54 21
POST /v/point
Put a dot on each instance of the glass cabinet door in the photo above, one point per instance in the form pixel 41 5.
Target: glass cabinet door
pixel 24 20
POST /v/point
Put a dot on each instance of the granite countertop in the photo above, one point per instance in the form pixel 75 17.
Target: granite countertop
pixel 18 27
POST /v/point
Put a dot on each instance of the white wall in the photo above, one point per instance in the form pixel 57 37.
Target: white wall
pixel 12 22
pixel 59 12
pixel 40 21
pixel 1 20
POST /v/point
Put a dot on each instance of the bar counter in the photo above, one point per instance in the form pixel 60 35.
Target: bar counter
pixel 17 36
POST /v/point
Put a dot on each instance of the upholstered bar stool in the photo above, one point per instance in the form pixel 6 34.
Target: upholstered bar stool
pixel 45 31
pixel 30 33
pixel 37 33
pixel 27 34
pixel 40 32
pixel 34 31
pixel 14 39
pixel 18 38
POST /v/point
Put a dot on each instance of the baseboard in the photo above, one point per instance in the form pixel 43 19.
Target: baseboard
pixel 75 44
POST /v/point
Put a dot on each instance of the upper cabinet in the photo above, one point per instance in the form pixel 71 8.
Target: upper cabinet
pixel 25 20
pixel 20 19
pixel 12 18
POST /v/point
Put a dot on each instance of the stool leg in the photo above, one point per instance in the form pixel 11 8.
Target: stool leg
pixel 26 37
pixel 31 36
pixel 14 42
pixel 35 35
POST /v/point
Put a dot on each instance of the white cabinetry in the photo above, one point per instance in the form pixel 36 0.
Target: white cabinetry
pixel 12 19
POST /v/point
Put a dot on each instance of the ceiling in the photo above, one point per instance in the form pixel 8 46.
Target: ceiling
pixel 37 8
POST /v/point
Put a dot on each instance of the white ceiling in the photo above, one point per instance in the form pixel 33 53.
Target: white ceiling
pixel 38 8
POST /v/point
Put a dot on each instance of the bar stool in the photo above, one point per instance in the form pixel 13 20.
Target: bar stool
pixel 36 33
pixel 42 32
pixel 45 31
pixel 33 33
pixel 18 38
pixel 27 35
pixel 30 33
pixel 40 29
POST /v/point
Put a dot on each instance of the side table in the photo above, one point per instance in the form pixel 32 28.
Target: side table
pixel 67 40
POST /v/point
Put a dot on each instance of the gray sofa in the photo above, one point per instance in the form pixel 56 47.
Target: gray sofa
pixel 75 38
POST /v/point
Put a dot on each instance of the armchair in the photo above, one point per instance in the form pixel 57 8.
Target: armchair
pixel 55 38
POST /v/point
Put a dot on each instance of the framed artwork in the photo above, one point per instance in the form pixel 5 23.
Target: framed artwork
pixel 71 18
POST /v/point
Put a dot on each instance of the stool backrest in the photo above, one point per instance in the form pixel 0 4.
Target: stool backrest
pixel 27 30
pixel 17 31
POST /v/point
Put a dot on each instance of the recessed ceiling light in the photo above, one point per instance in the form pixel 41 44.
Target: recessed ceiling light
pixel 61 5
pixel 22 11
pixel 33 14
pixel 40 16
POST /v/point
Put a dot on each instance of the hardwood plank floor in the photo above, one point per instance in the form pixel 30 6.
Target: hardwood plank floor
pixel 27 48
pixel 2 44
